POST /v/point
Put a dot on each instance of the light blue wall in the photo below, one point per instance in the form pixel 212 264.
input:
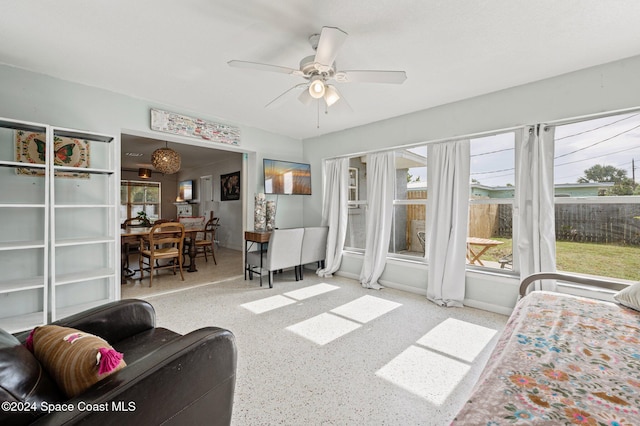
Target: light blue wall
pixel 604 88
pixel 33 97
pixel 38 98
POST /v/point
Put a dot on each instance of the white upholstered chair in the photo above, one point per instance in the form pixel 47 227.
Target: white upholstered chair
pixel 314 246
pixel 282 252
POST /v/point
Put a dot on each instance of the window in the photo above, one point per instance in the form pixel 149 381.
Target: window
pixel 353 186
pixel 409 210
pixel 597 202
pixel 410 203
pixel 139 196
pixel 597 199
pixel 491 193
pixel 357 204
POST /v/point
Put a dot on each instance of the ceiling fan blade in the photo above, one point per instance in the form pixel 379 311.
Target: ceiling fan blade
pixel 305 97
pixel 281 99
pixel 392 77
pixel 331 39
pixel 263 67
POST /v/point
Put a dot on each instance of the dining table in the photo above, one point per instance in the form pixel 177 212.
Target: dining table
pixel 133 234
pixel 476 247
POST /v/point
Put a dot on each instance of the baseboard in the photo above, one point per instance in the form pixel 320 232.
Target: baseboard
pixel 467 302
pixel 488 307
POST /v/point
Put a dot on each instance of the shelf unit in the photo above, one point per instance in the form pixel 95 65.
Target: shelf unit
pixel 84 224
pixel 59 232
pixel 24 226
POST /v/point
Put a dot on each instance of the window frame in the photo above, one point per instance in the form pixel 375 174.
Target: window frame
pixel 129 205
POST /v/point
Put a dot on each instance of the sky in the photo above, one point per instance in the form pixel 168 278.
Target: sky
pixel 612 141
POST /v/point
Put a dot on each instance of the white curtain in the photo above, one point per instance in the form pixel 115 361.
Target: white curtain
pixel 335 212
pixel 447 217
pixel 380 192
pixel 536 249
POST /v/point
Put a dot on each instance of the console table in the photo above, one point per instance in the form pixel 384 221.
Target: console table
pixel 254 237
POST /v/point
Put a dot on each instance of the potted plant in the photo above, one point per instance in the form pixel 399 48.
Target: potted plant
pixel 142 216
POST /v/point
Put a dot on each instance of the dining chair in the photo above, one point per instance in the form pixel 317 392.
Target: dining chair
pixel 285 246
pixel 158 221
pixel 314 247
pixel 164 241
pixel 131 247
pixel 205 241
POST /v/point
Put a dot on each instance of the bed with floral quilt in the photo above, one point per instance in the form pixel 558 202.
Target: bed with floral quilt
pixel 562 360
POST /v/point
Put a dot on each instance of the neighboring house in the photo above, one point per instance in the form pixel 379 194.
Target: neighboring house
pixel 561 189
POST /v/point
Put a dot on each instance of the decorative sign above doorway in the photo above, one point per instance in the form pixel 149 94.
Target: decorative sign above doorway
pixel 177 124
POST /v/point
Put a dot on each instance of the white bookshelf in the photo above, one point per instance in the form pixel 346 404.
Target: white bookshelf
pixel 85 231
pixel 59 231
pixel 24 225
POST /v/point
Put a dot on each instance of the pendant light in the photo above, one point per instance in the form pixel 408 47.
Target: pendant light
pixel 166 160
pixel 144 173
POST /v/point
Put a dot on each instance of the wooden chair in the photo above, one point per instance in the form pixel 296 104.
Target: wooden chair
pixel 421 238
pixel 131 247
pixel 205 242
pixel 165 241
pixel 164 221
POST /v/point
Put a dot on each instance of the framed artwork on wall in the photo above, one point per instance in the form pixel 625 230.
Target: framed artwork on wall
pixel 230 186
pixel 31 148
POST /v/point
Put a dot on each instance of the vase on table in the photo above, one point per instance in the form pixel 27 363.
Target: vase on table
pixel 271 215
pixel 260 214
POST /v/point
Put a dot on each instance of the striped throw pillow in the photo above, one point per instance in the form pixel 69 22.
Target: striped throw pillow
pixel 74 359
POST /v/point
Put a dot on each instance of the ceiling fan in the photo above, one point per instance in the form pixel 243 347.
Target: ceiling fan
pixel 320 69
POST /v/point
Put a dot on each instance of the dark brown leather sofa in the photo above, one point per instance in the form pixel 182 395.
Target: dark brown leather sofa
pixel 170 379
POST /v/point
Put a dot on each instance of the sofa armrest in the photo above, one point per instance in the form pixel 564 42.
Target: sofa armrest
pixel 190 380
pixel 113 321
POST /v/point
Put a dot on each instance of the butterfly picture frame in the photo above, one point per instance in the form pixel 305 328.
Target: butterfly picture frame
pixel 70 152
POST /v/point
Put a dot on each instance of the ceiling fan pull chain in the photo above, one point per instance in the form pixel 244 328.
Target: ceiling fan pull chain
pixel 318 115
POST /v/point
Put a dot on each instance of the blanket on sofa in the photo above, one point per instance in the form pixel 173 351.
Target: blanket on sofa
pixel 561 360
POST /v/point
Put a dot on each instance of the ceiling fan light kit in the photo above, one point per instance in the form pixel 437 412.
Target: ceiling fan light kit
pixel 320 68
pixel 316 88
pixel 331 95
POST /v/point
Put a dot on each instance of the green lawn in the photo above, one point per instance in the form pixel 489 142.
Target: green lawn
pixel 586 258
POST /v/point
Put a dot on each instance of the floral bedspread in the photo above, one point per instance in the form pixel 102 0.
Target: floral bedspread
pixel 562 360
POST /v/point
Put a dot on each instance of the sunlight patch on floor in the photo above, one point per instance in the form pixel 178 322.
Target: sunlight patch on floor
pixel 365 308
pixel 439 361
pixel 459 339
pixel 268 304
pixel 328 326
pixel 323 328
pixel 274 302
pixel 427 374
pixel 311 291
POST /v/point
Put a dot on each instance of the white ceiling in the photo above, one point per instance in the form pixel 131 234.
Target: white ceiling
pixel 191 156
pixel 176 52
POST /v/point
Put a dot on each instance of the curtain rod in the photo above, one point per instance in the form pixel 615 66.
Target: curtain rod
pixel 580 118
pixel 560 122
pixel 432 141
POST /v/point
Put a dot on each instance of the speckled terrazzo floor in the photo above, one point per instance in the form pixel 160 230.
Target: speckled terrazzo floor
pixel 229 266
pixel 329 352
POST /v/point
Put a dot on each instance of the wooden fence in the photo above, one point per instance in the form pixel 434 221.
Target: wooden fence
pixel 594 223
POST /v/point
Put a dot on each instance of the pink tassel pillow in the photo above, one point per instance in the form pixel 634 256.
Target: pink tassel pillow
pixel 75 359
